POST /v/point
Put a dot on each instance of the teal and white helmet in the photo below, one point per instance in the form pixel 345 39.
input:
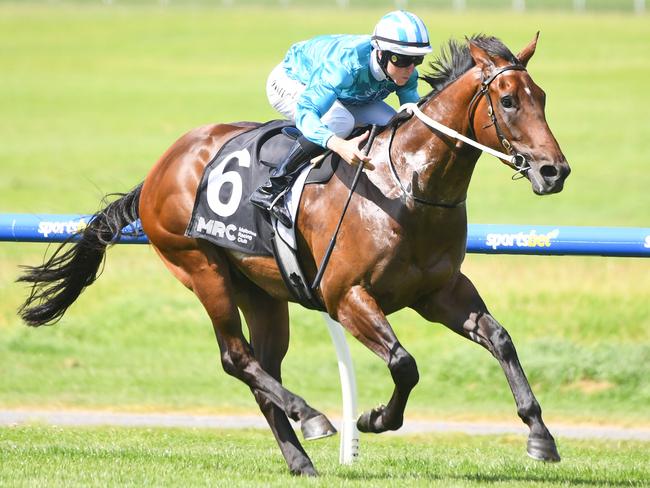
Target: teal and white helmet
pixel 401 32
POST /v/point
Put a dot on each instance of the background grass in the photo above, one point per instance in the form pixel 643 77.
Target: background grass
pixel 174 457
pixel 544 5
pixel 92 95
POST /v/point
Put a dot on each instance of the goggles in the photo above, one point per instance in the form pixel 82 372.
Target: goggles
pixel 404 61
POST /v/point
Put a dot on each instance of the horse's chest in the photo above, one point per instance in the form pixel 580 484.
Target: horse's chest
pixel 402 279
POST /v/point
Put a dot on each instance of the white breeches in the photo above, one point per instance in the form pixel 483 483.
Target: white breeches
pixel 283 94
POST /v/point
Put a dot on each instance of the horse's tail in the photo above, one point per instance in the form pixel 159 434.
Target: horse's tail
pixel 59 281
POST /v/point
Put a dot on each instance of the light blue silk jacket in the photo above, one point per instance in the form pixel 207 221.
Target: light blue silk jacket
pixel 337 67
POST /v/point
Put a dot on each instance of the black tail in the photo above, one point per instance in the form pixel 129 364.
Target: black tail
pixel 58 282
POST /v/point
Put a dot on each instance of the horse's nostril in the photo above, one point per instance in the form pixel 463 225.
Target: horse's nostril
pixel 548 171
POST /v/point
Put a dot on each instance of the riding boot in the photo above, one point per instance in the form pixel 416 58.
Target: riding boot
pixel 270 196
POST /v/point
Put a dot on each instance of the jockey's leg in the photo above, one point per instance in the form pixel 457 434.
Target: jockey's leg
pixel 338 119
pixel 378 113
pixel 269 196
pixel 283 92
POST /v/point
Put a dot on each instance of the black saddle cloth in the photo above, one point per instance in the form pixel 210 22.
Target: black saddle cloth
pixel 222 213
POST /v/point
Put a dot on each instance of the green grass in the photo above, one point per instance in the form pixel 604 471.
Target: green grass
pixel 94 94
pixel 139 341
pixel 546 5
pixel 52 457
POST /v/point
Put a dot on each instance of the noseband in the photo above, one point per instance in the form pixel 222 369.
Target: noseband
pixel 519 160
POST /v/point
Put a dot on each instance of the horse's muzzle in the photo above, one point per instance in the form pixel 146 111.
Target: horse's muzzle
pixel 548 177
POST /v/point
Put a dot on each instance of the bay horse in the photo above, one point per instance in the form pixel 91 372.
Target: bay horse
pixel 401 244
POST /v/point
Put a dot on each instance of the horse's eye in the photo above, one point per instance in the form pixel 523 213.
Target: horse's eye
pixel 507 102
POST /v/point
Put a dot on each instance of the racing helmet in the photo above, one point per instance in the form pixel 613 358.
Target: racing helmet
pixel 401 32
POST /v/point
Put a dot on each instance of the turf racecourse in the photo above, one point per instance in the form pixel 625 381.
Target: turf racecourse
pixel 94 94
pixel 50 456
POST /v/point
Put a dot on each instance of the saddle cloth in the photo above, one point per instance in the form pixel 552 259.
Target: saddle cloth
pixel 222 213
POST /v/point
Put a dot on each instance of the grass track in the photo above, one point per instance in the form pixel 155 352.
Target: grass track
pixel 49 456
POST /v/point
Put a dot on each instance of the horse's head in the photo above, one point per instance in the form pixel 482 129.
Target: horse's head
pixel 508 112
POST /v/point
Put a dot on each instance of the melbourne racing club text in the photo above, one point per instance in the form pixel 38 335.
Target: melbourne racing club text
pixel 230 231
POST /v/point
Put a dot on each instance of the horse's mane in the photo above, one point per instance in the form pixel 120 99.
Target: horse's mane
pixel 454 60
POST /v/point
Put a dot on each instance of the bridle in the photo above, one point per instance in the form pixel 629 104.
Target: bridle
pixel 517 159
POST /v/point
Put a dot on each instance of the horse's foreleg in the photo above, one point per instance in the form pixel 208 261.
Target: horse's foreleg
pixel 359 313
pixel 268 324
pixel 206 272
pixel 461 308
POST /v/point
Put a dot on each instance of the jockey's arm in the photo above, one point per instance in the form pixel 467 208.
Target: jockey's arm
pixel 319 95
pixel 349 150
pixel 314 102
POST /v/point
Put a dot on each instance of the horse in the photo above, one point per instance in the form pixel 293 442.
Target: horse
pixel 400 245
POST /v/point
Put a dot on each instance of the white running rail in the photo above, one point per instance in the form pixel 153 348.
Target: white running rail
pixel 349 450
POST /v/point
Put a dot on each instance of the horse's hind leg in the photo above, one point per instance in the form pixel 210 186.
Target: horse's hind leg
pixel 206 272
pixel 268 324
pixel 460 308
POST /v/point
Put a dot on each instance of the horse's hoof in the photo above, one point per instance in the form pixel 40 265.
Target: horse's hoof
pixel 368 421
pixel 317 427
pixel 543 450
pixel 307 470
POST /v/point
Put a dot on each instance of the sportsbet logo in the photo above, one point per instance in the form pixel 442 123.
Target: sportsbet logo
pixel 70 227
pixel 522 239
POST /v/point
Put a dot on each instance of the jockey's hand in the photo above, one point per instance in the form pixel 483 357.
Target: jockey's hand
pixel 349 150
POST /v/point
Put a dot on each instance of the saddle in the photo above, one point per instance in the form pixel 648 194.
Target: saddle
pixel 273 151
pixel 223 215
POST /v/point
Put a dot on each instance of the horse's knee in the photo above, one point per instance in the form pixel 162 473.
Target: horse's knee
pixel 234 362
pixel 228 364
pixel 502 342
pixel 403 369
pixel 494 337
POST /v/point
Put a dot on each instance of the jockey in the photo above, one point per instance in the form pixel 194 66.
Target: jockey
pixel 331 84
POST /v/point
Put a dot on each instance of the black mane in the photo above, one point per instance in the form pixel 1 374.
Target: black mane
pixel 455 59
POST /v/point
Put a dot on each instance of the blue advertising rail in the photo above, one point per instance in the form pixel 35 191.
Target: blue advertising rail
pixel 481 238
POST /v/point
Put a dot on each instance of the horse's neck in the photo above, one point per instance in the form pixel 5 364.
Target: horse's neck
pixel 439 167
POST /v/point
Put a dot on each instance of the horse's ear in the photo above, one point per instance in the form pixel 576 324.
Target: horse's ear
pixel 527 52
pixel 481 57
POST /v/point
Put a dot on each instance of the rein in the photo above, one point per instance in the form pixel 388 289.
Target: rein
pixel 353 186
pixel 518 160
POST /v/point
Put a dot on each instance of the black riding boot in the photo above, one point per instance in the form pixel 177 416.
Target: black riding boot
pixel 270 196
